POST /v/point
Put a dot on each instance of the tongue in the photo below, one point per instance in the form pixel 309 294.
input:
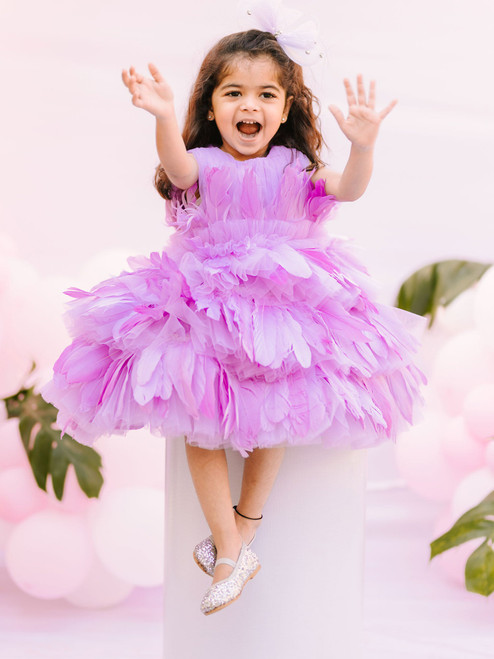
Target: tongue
pixel 248 129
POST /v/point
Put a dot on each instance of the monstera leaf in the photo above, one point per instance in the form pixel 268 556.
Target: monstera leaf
pixel 48 452
pixel 437 285
pixel 478 522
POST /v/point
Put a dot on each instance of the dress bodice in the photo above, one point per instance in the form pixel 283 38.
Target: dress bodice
pixel 232 198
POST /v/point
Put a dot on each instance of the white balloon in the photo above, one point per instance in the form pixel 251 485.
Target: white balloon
pixel 49 554
pixel 128 534
pixel 484 307
pixel 463 363
pixel 471 490
pixel 100 589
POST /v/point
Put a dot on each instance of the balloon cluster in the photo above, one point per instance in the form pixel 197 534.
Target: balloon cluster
pixel 92 552
pixel 449 456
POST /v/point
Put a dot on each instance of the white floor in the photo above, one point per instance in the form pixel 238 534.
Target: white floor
pixel 410 611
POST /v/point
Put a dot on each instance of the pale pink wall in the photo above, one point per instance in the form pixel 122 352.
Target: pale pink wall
pixel 77 159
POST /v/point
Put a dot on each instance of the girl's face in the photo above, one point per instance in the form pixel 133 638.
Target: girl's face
pixel 248 106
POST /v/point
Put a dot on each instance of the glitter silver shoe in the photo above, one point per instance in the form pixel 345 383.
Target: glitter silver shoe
pixel 224 592
pixel 205 554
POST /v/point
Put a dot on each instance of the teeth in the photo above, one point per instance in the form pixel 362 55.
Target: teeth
pixel 248 122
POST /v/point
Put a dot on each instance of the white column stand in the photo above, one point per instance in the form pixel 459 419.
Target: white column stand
pixel 306 601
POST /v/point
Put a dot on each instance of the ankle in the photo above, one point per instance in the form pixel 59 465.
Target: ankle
pixel 247 528
pixel 229 546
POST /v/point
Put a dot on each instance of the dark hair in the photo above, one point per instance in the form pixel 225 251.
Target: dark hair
pixel 301 130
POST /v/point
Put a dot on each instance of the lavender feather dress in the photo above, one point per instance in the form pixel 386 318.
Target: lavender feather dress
pixel 253 328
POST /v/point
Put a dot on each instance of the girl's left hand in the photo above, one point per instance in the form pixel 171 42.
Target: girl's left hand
pixel 363 121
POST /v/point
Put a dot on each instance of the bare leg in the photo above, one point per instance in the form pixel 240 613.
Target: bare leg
pixel 209 471
pixel 260 471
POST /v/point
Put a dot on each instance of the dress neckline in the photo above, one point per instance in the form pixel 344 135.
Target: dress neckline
pixel 229 155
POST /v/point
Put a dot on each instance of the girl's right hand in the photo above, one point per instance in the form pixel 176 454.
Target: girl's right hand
pixel 154 95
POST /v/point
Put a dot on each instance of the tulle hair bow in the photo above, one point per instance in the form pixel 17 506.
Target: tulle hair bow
pixel 296 34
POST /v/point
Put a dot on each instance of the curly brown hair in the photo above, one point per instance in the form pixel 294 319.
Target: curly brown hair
pixel 301 130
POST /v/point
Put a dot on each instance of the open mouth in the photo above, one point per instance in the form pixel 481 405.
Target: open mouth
pixel 248 127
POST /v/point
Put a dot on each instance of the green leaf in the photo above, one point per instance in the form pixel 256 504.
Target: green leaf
pixel 26 425
pixel 483 509
pixel 460 533
pixel 438 284
pixel 58 467
pixel 87 464
pixel 40 456
pixel 48 452
pixel 479 570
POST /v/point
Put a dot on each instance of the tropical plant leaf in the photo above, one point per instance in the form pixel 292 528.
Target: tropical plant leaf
pixel 479 570
pixel 478 522
pixel 438 284
pixel 48 452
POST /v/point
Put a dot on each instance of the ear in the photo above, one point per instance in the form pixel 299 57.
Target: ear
pixel 288 105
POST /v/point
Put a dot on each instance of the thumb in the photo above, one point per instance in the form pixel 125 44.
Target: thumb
pixel 337 114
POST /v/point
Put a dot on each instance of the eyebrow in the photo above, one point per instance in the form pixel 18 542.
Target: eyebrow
pixel 236 84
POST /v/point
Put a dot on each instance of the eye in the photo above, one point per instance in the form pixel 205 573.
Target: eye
pixel 268 95
pixel 234 93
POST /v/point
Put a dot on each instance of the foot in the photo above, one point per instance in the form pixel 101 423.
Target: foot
pixel 230 549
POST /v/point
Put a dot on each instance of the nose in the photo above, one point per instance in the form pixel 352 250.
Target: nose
pixel 249 103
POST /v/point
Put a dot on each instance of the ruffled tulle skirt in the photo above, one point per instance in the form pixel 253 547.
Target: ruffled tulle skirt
pixel 277 344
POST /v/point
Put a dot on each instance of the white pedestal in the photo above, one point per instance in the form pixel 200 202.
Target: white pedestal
pixel 306 601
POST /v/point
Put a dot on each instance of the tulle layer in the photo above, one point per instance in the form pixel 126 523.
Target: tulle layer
pixel 273 360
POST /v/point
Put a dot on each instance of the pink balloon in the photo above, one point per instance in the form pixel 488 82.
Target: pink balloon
pixel 459 447
pixel 128 534
pixel 137 459
pixel 458 315
pixel 12 452
pixel 100 589
pixel 484 306
pixel 5 530
pixel 451 563
pixel 489 455
pixel 421 461
pixel 462 364
pixel 471 490
pixel 49 554
pixel 478 410
pixel 20 496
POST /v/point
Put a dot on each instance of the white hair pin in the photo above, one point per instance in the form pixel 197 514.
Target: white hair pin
pixel 297 35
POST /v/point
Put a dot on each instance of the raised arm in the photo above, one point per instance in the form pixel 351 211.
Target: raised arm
pixel 361 128
pixel 155 95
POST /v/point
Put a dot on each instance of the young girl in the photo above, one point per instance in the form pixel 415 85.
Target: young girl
pixel 253 330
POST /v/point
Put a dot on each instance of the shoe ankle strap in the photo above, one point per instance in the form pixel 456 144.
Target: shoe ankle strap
pixel 226 561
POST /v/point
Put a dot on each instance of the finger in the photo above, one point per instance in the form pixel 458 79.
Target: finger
pixel 387 109
pixel 153 70
pixel 337 114
pixel 128 81
pixel 349 92
pixel 361 89
pixel 372 95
